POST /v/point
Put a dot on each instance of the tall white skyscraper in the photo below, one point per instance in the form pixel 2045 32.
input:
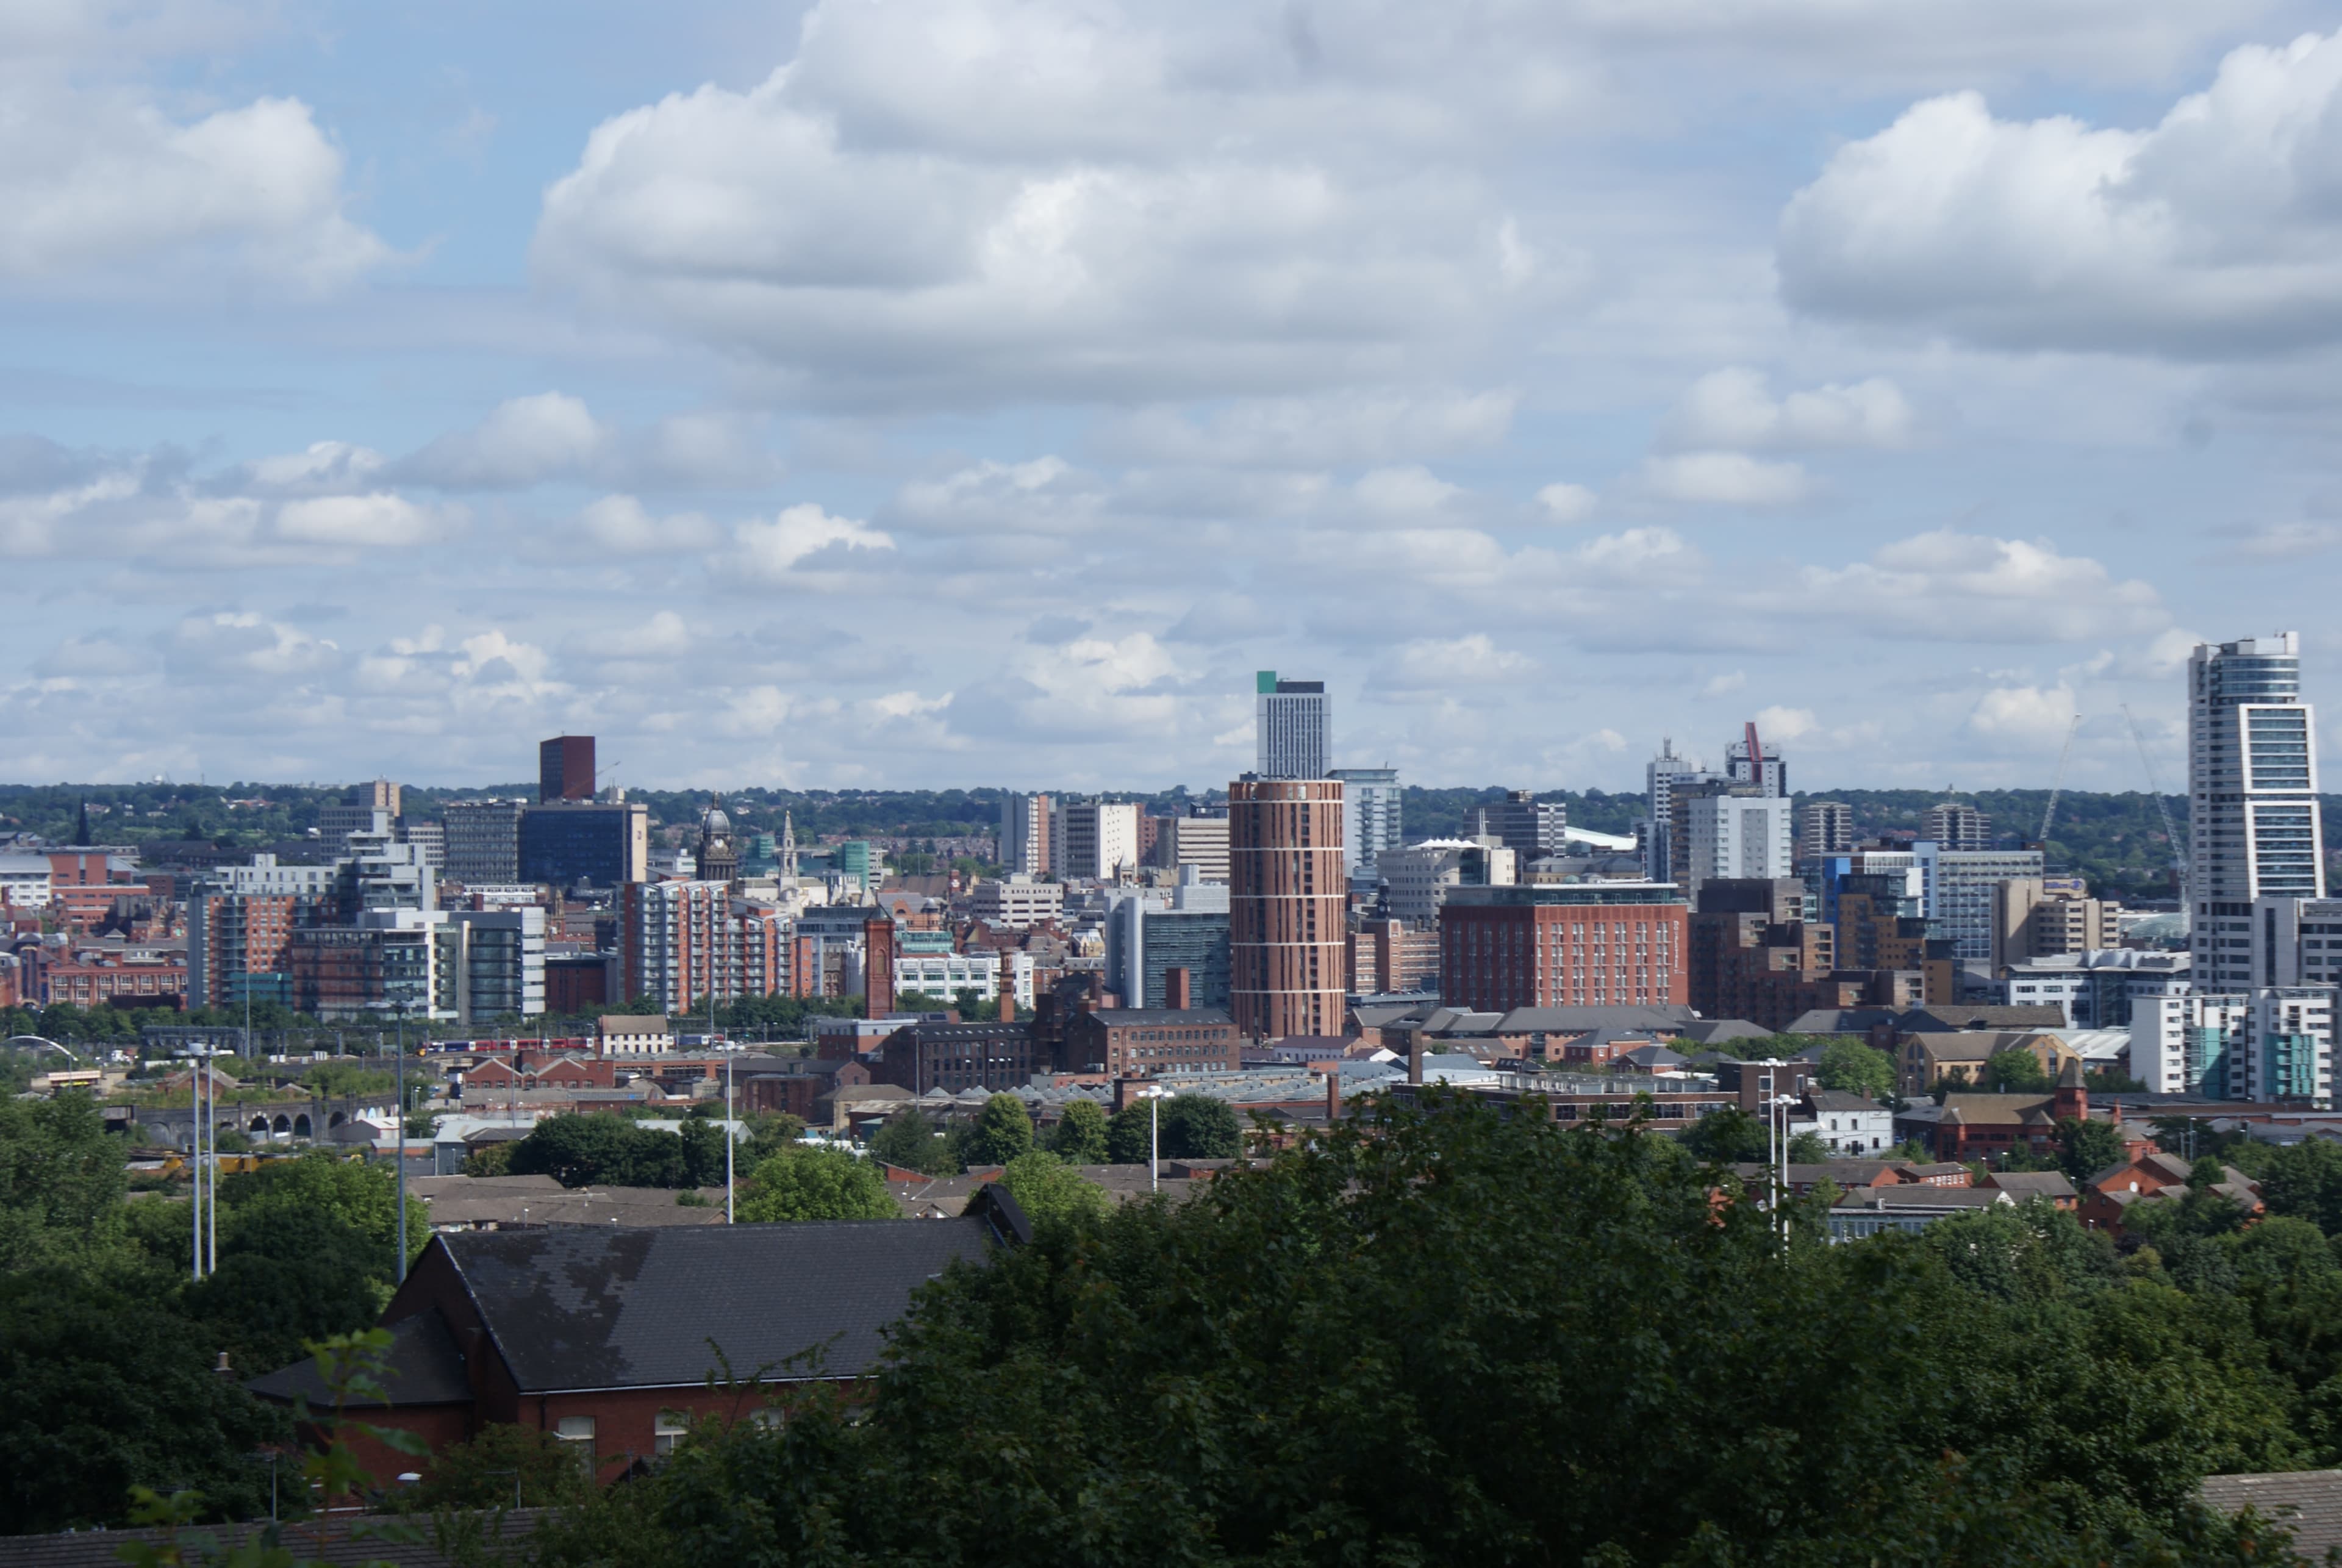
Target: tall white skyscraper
pixel 2253 828
pixel 1735 836
pixel 1370 814
pixel 1291 716
pixel 1025 834
pixel 1659 780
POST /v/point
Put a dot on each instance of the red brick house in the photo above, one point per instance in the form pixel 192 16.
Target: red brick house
pixel 605 1336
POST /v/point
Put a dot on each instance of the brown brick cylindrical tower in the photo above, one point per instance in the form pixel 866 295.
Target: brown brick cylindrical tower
pixel 1288 892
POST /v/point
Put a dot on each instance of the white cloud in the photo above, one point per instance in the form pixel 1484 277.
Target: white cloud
pixel 321 467
pixel 1725 684
pixel 232 643
pixel 2025 714
pixel 663 636
pixel 621 523
pixel 380 518
pixel 524 440
pixel 1441 667
pixel 1735 409
pixel 1146 225
pixel 771 551
pixel 1971 587
pixel 1335 429
pixel 100 182
pixel 1409 495
pixel 1044 496
pixel 1786 724
pixel 1567 503
pixel 2216 233
pixel 1725 479
pixel 1638 553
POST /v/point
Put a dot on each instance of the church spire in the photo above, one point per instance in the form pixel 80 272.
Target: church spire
pixel 789 845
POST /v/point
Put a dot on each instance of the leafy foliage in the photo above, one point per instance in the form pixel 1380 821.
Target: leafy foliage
pixel 810 1183
pixel 1194 1127
pixel 1728 1136
pixel 908 1139
pixel 597 1150
pixel 1002 1132
pixel 1457 1338
pixel 1851 1067
pixel 1080 1138
pixel 1052 1193
pixel 503 1466
pixel 2014 1072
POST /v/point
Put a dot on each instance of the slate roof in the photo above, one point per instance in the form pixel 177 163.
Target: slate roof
pixel 1839 1101
pixel 1160 1017
pixel 2032 1183
pixel 2309 1501
pixel 424 1367
pixel 1667 1019
pixel 1712 1031
pixel 2001 1110
pixel 577 1308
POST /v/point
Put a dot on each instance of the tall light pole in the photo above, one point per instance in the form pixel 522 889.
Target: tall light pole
pixel 401 1076
pixel 1154 1094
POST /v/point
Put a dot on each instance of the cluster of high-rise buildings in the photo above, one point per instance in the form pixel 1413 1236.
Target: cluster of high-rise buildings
pixel 1288 902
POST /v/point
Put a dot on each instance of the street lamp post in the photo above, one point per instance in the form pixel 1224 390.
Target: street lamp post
pixel 400 1071
pixel 1154 1094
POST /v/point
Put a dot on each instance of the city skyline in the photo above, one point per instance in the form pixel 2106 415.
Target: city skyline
pixel 385 385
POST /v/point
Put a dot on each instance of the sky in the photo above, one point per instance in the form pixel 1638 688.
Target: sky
pixel 908 394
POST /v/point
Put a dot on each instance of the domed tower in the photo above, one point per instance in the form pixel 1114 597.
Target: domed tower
pixel 719 856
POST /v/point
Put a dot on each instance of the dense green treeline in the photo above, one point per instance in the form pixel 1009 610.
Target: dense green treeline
pixel 108 1346
pixel 1452 1337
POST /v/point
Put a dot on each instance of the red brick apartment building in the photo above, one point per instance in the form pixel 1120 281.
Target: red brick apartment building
pixel 1563 944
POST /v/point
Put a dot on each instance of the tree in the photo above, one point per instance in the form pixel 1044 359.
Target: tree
pixel 2084 1148
pixel 770 1133
pixel 1810 1148
pixel 1050 1192
pixel 1444 1310
pixel 809 1184
pixel 1081 1134
pixel 909 1140
pixel 2305 1181
pixel 289 1273
pixel 62 1178
pixel 601 1150
pixel 1194 1127
pixel 358 1197
pixel 2015 1072
pixel 1002 1132
pixel 501 1466
pixel 101 1391
pixel 1729 1136
pixel 1851 1067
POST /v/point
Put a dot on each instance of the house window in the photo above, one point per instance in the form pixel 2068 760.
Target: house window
pixel 769 1418
pixel 577 1431
pixel 671 1428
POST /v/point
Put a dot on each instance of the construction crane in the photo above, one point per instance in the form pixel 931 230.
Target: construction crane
pixel 2155 787
pixel 2058 784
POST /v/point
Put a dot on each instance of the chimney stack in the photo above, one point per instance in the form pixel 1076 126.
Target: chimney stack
pixel 1175 990
pixel 1007 990
pixel 877 967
